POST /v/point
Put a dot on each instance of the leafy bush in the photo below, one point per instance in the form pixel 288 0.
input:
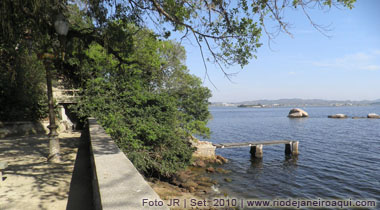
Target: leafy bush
pixel 149 106
pixel 144 125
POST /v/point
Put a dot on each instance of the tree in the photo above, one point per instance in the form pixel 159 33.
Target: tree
pixel 192 96
pixel 229 31
pixel 22 95
pixel 151 107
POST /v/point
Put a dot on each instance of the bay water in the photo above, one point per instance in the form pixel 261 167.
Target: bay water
pixel 339 158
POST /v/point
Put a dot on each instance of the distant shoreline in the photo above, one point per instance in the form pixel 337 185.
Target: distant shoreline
pixel 287 106
pixel 296 103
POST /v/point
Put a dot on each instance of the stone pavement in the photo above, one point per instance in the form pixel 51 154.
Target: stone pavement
pixel 29 181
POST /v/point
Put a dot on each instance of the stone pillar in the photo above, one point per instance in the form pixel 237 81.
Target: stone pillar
pixel 257 151
pixel 288 149
pixel 295 148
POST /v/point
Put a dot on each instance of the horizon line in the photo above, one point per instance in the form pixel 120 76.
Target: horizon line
pixel 297 99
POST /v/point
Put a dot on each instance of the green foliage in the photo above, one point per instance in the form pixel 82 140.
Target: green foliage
pixel 145 125
pixel 229 30
pixel 150 106
pixel 22 95
pixel 25 33
pixel 135 84
pixel 192 97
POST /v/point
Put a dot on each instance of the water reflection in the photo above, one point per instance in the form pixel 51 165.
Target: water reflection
pixel 290 161
pixel 257 163
pixel 297 123
pixel 256 170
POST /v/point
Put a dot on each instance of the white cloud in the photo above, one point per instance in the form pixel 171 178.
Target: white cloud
pixel 371 67
pixel 292 73
pixel 359 61
pixel 376 52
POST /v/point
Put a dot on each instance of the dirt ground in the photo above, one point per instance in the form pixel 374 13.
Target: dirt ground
pixel 30 182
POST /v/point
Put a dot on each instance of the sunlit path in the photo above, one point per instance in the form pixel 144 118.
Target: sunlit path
pixel 29 181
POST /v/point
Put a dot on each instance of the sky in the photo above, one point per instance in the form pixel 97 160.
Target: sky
pixel 343 66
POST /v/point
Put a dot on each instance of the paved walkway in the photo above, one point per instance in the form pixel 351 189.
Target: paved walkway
pixel 32 183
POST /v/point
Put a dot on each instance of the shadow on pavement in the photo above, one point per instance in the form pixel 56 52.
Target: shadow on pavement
pixel 81 193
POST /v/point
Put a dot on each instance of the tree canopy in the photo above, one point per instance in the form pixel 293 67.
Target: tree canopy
pixel 150 107
pixel 229 31
pixel 131 76
pixel 22 91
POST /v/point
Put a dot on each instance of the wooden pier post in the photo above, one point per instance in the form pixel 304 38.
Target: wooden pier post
pixel 288 149
pixel 295 147
pixel 253 151
pixel 257 151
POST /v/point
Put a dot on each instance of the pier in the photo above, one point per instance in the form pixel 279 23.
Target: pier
pixel 291 147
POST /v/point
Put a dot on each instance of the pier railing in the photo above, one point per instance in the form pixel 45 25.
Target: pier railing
pixel 291 147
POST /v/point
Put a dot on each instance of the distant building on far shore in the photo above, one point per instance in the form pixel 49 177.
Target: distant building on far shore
pixel 223 104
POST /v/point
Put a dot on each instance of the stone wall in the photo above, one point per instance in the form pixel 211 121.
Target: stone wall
pixel 20 128
pixel 116 182
pixel 25 128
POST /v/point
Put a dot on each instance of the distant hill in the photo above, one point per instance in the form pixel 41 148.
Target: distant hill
pixel 297 102
pixel 376 102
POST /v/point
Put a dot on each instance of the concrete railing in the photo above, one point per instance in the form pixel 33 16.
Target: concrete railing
pixel 116 182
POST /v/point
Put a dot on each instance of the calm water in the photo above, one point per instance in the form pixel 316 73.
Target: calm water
pixel 339 158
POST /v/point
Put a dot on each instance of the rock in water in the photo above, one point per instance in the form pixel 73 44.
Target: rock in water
pixel 373 115
pixel 222 159
pixel 337 116
pixel 210 170
pixel 297 113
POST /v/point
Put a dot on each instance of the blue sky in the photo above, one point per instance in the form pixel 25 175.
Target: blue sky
pixel 309 65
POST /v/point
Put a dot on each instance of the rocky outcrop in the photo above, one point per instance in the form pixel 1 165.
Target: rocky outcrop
pixel 337 116
pixel 297 113
pixel 204 149
pixel 373 115
pixel 221 160
pixel 205 153
pixel 194 180
pixel 210 170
